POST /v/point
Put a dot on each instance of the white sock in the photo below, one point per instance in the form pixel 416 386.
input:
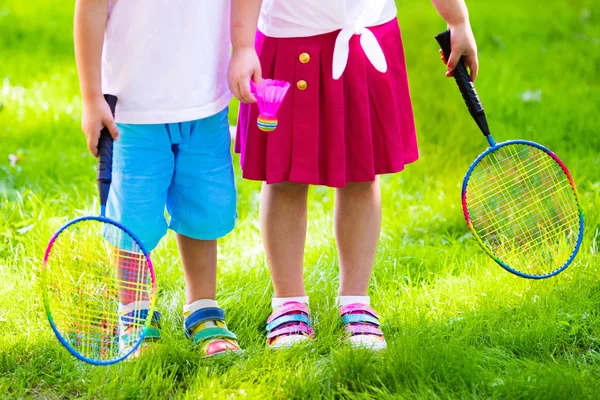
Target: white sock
pixel 277 302
pixel 345 300
pixel 133 306
pixel 197 305
pixel 126 309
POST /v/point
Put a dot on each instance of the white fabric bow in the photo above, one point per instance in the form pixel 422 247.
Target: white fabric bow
pixel 369 44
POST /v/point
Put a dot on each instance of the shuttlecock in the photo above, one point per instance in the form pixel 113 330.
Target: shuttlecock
pixel 269 96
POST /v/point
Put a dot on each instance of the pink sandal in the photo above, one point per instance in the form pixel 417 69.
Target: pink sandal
pixel 362 326
pixel 288 325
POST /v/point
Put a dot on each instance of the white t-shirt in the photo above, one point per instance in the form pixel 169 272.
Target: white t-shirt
pixel 301 18
pixel 167 61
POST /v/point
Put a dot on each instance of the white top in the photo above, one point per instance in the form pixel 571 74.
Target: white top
pixel 167 61
pixel 301 18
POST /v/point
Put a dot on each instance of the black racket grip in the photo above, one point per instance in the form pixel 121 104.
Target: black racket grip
pixel 105 155
pixel 463 80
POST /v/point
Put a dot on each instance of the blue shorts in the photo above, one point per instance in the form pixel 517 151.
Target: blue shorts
pixel 184 166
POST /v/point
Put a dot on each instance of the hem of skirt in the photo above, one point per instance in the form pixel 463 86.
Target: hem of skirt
pixel 295 176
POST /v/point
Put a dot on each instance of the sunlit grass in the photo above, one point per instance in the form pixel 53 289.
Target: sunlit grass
pixel 458 326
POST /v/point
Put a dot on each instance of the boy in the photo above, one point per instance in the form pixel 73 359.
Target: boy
pixel 166 62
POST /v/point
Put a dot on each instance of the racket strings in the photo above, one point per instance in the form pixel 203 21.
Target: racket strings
pixel 516 177
pixel 551 180
pixel 93 267
pixel 519 177
pixel 518 221
pixel 515 181
pixel 524 222
pixel 525 218
pixel 524 209
pixel 131 277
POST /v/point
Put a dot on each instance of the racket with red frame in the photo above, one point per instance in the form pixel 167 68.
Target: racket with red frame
pixel 92 267
pixel 519 199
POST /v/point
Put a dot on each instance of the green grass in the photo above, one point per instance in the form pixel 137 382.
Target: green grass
pixel 458 326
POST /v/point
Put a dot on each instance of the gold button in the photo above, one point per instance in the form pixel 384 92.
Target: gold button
pixel 304 58
pixel 301 84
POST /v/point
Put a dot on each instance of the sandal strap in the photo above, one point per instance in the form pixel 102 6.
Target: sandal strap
pixel 152 333
pixel 298 318
pixel 136 316
pixel 357 308
pixel 132 337
pixel 299 328
pixel 213 332
pixel 129 339
pixel 364 318
pixel 288 308
pixel 202 315
pixel 363 329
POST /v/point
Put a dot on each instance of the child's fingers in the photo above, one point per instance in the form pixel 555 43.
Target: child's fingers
pixel 257 74
pixel 473 64
pixel 453 60
pixel 245 93
pixel 443 57
pixel 111 125
pixel 232 88
pixel 244 90
pixel 235 88
pixel 92 144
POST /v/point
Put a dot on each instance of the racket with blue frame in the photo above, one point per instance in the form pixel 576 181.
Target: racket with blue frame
pixel 93 267
pixel 519 199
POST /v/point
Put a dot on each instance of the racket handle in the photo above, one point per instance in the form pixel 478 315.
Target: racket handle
pixel 105 156
pixel 463 80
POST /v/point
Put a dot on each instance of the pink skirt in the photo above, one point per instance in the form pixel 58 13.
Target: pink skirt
pixel 331 132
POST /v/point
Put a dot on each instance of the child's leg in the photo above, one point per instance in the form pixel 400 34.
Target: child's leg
pixel 131 269
pixel 357 228
pixel 199 259
pixel 142 170
pixel 202 205
pixel 201 199
pixel 283 228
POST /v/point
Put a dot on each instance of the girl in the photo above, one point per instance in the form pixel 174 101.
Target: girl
pixel 346 119
pixel 164 62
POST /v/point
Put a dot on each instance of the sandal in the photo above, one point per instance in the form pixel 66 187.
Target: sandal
pixel 362 326
pixel 288 325
pixel 206 327
pixel 129 326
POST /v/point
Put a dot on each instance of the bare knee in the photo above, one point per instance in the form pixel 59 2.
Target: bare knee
pixel 360 187
pixel 288 189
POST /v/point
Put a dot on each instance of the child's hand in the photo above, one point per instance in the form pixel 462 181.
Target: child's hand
pixel 96 115
pixel 244 66
pixel 463 45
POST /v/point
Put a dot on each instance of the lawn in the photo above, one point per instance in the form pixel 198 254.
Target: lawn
pixel 458 326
